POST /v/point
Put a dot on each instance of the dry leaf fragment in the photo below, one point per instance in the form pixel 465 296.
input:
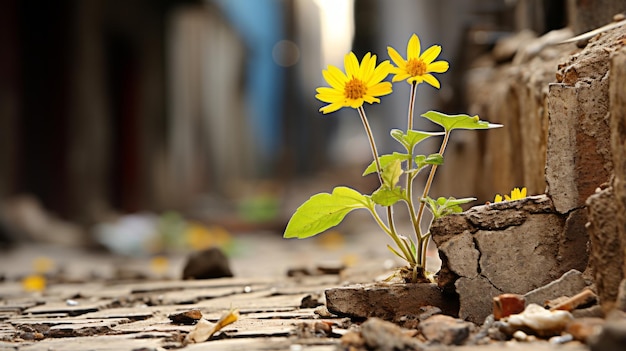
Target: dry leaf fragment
pixel 205 329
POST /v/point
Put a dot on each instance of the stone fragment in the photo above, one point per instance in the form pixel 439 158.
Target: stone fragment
pixel 445 330
pixel 508 247
pixel 578 157
pixel 620 303
pixel 381 335
pixel 207 264
pixel 461 254
pixel 507 304
pixel 569 284
pixel 611 337
pixel 186 317
pixel 584 328
pixel 585 297
pixel 537 320
pixel 617 96
pixel 606 259
pixel 387 301
pixel 475 298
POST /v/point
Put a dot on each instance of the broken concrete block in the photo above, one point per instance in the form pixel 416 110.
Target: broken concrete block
pixel 607 255
pixel 387 301
pixel 569 284
pixel 578 157
pixel 506 247
pixel 617 95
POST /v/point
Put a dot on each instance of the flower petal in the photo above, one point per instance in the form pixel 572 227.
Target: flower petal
pixel 400 77
pixel 330 108
pixel 380 89
pixel 431 54
pixel 380 73
pixel 335 77
pixel 430 79
pixel 356 103
pixel 413 48
pixel 395 57
pixel 352 65
pixel 438 66
pixel 329 95
pixel 367 67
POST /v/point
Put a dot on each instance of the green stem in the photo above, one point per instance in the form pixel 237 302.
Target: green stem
pixel 392 231
pixel 429 182
pixel 370 137
pixel 411 106
pixel 410 178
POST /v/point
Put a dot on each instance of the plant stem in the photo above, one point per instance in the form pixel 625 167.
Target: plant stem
pixel 429 182
pixel 392 230
pixel 409 179
pixel 370 137
pixel 411 107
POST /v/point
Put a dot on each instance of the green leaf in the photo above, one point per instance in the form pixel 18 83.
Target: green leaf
pixel 391 174
pixel 432 159
pixel 450 122
pixel 324 211
pixel 412 137
pixel 385 160
pixel 442 206
pixel 386 197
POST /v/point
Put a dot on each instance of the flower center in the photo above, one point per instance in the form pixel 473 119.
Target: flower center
pixel 416 67
pixel 355 89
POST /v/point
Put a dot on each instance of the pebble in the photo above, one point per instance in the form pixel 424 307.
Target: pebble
pixel 582 329
pixel 445 330
pixel 541 321
pixel 505 305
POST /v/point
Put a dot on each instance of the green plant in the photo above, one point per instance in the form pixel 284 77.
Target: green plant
pixel 364 82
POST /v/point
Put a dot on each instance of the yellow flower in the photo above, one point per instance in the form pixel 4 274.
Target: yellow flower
pixel 417 68
pixel 361 83
pixel 516 194
pixel 34 282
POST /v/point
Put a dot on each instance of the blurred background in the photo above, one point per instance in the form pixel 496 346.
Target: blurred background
pixel 206 108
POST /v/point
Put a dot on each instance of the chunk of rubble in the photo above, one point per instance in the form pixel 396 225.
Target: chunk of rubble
pixel 445 330
pixel 507 247
pixel 537 320
pixel 377 334
pixel 390 302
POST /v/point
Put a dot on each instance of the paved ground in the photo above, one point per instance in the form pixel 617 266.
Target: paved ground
pixel 97 301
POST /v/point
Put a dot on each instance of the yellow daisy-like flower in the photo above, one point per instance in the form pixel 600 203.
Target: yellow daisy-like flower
pixel 417 68
pixel 516 194
pixel 361 83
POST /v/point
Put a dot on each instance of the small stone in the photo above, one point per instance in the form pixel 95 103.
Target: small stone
pixel 381 335
pixel 310 302
pixel 539 320
pixel 298 272
pixel 330 267
pixel 520 336
pixel 187 317
pixel 569 284
pixel 207 264
pixel 584 298
pixel 323 312
pixel 352 340
pixel 445 330
pixel 426 312
pixel 611 337
pixel 561 339
pixel 584 328
pixel 507 304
